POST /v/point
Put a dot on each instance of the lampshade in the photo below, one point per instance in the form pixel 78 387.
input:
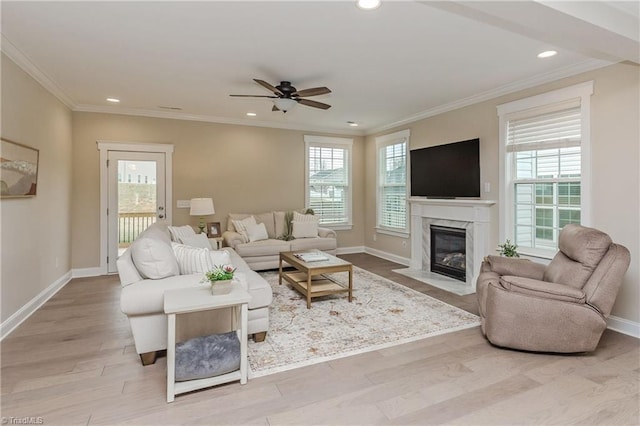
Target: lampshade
pixel 284 104
pixel 201 207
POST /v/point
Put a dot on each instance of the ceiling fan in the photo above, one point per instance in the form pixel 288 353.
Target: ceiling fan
pixel 287 96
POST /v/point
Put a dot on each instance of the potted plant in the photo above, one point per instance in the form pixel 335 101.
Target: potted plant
pixel 220 278
pixel 508 249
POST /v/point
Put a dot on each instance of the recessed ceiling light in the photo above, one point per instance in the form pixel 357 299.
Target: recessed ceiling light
pixel 114 100
pixel 547 54
pixel 368 4
pixel 352 123
pixel 251 114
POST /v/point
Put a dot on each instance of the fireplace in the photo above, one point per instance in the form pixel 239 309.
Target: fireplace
pixel 449 251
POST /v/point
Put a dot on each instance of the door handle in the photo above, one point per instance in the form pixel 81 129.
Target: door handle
pixel 161 216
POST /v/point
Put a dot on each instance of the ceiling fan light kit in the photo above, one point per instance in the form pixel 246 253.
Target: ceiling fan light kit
pixel 284 104
pixel 286 96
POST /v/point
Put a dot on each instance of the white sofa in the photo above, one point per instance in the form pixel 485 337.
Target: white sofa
pixel 265 253
pixel 143 286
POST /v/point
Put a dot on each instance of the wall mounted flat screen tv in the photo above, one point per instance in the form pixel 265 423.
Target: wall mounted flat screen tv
pixel 446 171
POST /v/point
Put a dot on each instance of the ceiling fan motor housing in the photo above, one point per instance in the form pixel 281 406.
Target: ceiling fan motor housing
pixel 286 89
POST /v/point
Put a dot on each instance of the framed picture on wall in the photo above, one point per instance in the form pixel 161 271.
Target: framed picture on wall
pixel 18 170
pixel 213 230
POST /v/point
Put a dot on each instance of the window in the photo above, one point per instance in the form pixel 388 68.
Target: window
pixel 328 180
pixel 392 182
pixel 544 150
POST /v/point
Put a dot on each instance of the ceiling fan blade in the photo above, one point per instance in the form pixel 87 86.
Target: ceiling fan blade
pixel 268 86
pixel 315 104
pixel 254 96
pixel 312 92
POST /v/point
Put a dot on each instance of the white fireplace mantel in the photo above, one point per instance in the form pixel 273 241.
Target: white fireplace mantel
pixel 472 214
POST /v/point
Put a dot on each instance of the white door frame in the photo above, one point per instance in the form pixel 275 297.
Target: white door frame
pixel 104 147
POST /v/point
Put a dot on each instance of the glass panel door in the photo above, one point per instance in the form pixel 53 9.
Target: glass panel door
pixel 136 197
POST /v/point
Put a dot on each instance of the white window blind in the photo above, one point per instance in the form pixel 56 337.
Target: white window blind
pixel 393 185
pixel 545 151
pixel 328 180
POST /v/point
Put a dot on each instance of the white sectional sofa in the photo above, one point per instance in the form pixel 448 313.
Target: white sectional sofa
pixel 149 267
pixel 263 251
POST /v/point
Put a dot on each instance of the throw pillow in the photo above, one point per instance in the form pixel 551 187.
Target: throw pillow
pixel 198 240
pixel 180 232
pixel 207 356
pixel 299 217
pixel 192 260
pixel 154 258
pixel 257 232
pixel 241 227
pixel 305 229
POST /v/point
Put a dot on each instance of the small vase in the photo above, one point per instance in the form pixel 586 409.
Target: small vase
pixel 221 287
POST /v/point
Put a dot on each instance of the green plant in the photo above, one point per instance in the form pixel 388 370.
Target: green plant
pixel 508 250
pixel 219 273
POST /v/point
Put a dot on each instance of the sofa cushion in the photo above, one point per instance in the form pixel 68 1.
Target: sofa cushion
pixel 153 257
pixel 267 219
pixel 179 233
pixel 263 248
pixel 147 296
pixel 193 259
pixel 325 244
pixel 304 229
pixel 241 227
pixel 197 240
pixel 279 223
pixel 257 232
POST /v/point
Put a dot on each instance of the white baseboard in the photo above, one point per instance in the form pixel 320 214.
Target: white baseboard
pixel 350 250
pixel 30 307
pixel 87 272
pixel 624 326
pixel 388 256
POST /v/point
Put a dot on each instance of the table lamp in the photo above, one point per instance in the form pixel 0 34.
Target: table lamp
pixel 201 207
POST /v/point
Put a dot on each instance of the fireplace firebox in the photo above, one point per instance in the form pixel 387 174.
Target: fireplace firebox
pixel 448 252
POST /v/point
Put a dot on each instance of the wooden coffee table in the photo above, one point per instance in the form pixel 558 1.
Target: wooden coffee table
pixel 309 277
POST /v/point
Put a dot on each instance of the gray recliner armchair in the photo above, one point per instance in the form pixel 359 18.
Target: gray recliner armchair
pixel 561 307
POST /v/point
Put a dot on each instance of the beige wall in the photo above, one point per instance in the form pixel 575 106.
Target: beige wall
pixel 615 141
pixel 36 244
pixel 244 169
pixel 255 169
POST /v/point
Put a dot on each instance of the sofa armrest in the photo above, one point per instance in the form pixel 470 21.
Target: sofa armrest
pixel 231 239
pixel 512 266
pixel 542 289
pixel 327 233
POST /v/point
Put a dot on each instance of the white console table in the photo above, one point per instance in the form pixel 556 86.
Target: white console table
pixel 182 301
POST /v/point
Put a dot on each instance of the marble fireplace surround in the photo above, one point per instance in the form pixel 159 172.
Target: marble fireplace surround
pixel 471 215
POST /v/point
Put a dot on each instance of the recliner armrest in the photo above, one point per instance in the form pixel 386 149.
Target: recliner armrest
pixel 542 289
pixel 513 266
pixel 326 233
pixel 232 239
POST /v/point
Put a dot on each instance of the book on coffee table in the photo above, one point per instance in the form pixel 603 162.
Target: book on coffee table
pixel 312 257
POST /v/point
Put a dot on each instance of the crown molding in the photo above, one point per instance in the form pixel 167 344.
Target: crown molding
pixel 211 119
pixel 49 84
pixel 29 67
pixel 506 89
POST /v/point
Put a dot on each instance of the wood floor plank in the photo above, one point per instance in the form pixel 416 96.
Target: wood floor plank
pixel 73 362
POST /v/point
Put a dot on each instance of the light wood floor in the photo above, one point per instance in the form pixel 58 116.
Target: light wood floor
pixel 73 362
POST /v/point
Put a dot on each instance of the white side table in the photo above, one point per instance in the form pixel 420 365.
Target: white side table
pixel 216 243
pixel 182 301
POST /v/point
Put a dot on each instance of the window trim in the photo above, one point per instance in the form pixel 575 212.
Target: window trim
pixel 331 142
pixel 381 142
pixel 533 106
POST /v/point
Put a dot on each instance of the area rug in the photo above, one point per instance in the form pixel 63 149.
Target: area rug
pixel 382 314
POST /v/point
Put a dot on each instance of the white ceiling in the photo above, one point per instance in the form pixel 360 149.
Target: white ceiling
pixel 403 61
